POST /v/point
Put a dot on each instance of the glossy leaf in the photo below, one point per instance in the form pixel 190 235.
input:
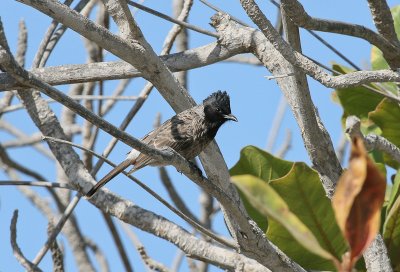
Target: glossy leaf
pixel 358 200
pixel 259 163
pixel 391 228
pixel 387 116
pixel 391 233
pixel 270 204
pixel 395 191
pixel 301 189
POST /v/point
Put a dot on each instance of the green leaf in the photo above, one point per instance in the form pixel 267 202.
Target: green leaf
pixel 378 62
pixel 311 206
pixel 302 190
pixel 391 232
pixel 259 163
pixel 395 191
pixel 270 204
pixel 387 116
pixel 358 100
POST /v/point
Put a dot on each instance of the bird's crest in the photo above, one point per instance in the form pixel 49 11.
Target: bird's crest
pixel 221 98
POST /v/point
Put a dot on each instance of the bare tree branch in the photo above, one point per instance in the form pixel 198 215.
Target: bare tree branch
pixel 383 20
pixel 21 135
pixel 173 194
pixel 276 123
pixel 56 230
pixel 100 256
pixel 38 184
pixel 148 261
pixel 118 242
pixel 56 253
pixel 372 141
pixel 22 44
pixel 176 21
pixel 17 251
pixel 286 145
pixel 297 13
pixel 251 237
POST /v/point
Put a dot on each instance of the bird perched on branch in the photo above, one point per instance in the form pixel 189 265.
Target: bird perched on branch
pixel 188 133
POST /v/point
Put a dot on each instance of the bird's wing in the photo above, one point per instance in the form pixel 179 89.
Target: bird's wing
pixel 176 133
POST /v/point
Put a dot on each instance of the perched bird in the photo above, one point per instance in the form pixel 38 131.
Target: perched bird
pixel 188 133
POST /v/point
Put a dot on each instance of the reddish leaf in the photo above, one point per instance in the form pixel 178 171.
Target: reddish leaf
pixel 358 200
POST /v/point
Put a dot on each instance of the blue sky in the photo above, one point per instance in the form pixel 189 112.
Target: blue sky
pixel 253 100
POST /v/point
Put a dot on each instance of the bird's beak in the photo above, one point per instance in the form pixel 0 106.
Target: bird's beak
pixel 230 117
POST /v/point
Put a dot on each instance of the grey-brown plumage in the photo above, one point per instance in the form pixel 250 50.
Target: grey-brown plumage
pixel 188 133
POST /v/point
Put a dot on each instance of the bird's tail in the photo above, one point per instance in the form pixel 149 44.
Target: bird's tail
pixel 118 169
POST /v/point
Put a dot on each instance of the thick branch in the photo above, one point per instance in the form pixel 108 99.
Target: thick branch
pixel 383 20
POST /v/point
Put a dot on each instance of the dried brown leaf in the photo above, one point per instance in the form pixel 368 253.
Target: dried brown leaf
pixel 358 200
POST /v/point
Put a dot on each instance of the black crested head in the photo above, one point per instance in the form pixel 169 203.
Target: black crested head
pixel 217 108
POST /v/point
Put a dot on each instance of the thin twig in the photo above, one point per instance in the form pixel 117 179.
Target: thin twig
pixel 177 260
pixel 20 58
pixel 217 9
pixel 56 253
pixel 68 186
pixel 76 97
pixel 148 261
pixel 99 255
pixel 286 145
pixel 276 123
pixel 21 135
pixel 334 50
pixel 174 195
pixel 121 87
pixel 53 235
pixel 52 37
pixel 37 60
pixel 118 242
pixel 22 43
pixel 17 251
pixel 168 18
pixel 6 159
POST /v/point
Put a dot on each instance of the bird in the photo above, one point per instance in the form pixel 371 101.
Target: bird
pixel 188 133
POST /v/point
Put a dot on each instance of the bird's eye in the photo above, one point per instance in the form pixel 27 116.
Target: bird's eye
pixel 219 109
